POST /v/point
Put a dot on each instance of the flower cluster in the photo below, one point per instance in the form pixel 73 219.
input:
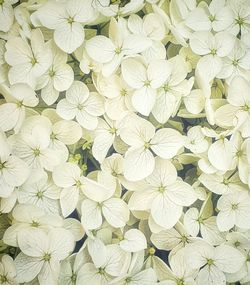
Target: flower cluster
pixel 124 142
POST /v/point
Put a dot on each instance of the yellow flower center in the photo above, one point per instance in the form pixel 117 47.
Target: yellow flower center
pixel 151 251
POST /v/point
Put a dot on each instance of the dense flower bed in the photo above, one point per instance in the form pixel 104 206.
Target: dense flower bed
pixel 124 142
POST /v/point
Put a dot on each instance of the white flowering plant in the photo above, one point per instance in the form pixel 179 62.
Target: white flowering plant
pixel 124 142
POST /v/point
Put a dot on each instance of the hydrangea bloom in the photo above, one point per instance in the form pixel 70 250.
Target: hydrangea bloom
pixel 124 142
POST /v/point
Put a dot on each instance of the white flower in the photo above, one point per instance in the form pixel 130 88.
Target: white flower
pixel 66 19
pixel 172 239
pixel 136 273
pixel 111 51
pixel 196 140
pixel 3 65
pixel 28 62
pixel 234 209
pixel 239 241
pixel 221 184
pixel 13 170
pixel 32 144
pixel 164 195
pixel 140 135
pixel 196 222
pixel 67 132
pixel 29 217
pixel 119 10
pixel 68 176
pixel 220 153
pixel 190 58
pixel 237 111
pixel 42 192
pixel 81 104
pixel 236 63
pixel 145 79
pixel 212 48
pixel 64 133
pixel 12 113
pixel 57 78
pixel 114 166
pixel 114 263
pixel 118 95
pixel 71 266
pixel 217 16
pixel 114 210
pixel 213 262
pixel 133 241
pixel 179 271
pixel 179 31
pixel 124 142
pixel 241 13
pixel 7 271
pixel 41 254
pixel 87 64
pixel 105 135
pixel 6 15
pixel 7 204
pixel 172 90
pixel 152 27
pixel 194 102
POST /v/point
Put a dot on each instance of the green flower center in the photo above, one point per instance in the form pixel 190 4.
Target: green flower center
pixel 234 206
pixel 213 51
pixel 1 165
pixel 33 61
pixel 210 261
pixel 19 104
pixel 118 50
pixel 3 278
pixel 184 239
pixel 78 184
pixel 35 224
pixel 52 73
pixel 200 220
pixel 161 189
pixel 245 108
pixel 36 151
pixel 112 131
pixel 239 153
pixel 47 257
pixel 52 136
pixel 180 282
pixel 123 92
pixel 235 62
pixel 147 145
pixel 80 107
pixel 211 18
pixel 166 88
pixel 225 181
pixel 147 83
pixel 240 21
pixel 128 280
pixel 70 20
pixel 39 194
pixel 101 271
